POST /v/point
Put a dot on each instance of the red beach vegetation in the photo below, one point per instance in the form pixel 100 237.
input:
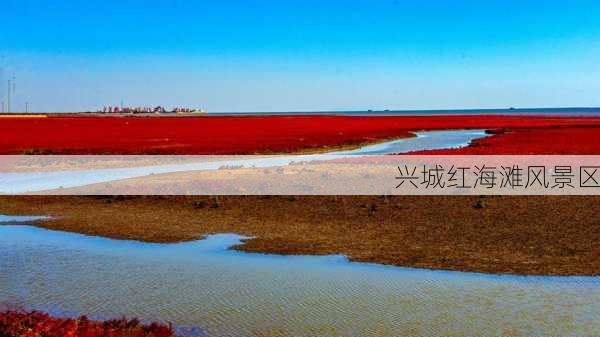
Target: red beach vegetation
pixel 540 141
pixel 39 324
pixel 270 134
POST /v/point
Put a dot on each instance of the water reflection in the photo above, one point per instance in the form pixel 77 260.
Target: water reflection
pixel 230 293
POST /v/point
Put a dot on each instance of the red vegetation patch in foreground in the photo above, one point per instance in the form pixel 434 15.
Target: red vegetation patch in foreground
pixel 541 141
pixel 236 135
pixel 38 324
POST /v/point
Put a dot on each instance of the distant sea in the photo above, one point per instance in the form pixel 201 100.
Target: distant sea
pixel 510 111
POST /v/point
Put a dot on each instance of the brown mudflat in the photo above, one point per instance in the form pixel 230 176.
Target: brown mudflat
pixel 545 235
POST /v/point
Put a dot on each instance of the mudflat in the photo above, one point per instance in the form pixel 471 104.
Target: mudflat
pixel 532 235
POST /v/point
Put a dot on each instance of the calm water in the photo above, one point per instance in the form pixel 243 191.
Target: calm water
pixel 13 183
pixel 229 293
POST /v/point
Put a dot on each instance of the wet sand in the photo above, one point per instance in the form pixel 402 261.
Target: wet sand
pixel 535 235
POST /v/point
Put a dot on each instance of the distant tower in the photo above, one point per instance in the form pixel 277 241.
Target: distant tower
pixel 8 97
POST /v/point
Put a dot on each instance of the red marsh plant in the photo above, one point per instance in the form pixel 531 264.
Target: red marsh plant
pixel 260 134
pixel 39 324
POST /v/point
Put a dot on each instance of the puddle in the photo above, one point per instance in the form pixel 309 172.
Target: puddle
pixel 230 293
pixel 21 219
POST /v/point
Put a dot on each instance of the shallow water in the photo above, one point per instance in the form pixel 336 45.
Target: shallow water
pixel 230 293
pixel 427 140
pixel 4 219
pixel 27 182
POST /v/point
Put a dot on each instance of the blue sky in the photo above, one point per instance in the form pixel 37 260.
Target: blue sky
pixel 275 55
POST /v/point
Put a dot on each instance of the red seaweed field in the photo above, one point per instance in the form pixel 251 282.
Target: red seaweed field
pixel 268 134
pixel 39 324
pixel 541 141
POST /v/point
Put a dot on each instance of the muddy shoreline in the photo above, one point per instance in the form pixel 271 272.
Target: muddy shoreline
pixel 527 235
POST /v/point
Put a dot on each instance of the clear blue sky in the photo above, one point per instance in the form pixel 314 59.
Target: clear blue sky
pixel 276 55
